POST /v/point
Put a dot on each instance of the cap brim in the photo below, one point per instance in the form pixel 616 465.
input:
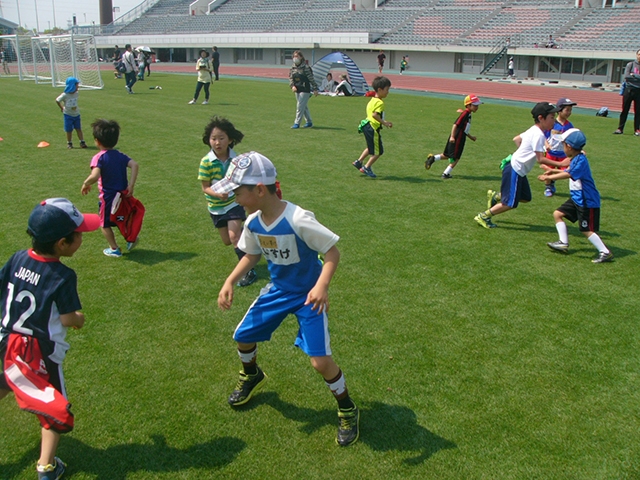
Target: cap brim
pixel 90 223
pixel 224 186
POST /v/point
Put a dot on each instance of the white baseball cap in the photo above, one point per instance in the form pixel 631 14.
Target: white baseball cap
pixel 249 168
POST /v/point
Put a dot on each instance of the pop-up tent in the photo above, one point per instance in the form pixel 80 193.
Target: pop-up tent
pixel 339 59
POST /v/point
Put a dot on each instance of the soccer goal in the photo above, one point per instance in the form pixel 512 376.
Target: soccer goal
pixel 51 59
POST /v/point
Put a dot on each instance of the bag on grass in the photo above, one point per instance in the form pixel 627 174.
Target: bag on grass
pixel 603 112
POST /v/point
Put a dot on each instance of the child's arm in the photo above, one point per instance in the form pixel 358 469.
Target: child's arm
pixel 73 319
pixel 454 130
pixel 61 105
pixel 133 165
pixel 551 175
pixel 246 263
pixel 206 188
pixel 319 294
pixel 517 140
pixel 378 118
pixel 91 179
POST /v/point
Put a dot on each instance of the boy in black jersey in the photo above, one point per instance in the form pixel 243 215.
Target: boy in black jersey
pixel 39 301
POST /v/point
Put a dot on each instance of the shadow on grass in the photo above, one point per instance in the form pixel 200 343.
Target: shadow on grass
pixel 315 127
pixel 384 428
pixel 527 227
pixel 153 257
pixel 120 461
pixel 393 178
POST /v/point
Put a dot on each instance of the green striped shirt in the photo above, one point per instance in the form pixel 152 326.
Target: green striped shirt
pixel 211 170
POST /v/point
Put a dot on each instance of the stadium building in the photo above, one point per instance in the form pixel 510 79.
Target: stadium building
pixel 572 40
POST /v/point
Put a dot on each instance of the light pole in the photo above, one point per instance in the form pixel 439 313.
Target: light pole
pixel 53 4
pixel 18 5
pixel 37 21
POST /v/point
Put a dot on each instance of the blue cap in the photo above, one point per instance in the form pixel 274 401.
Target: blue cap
pixel 71 84
pixel 574 138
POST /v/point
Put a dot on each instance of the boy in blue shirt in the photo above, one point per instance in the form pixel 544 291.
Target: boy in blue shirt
pixel 290 238
pixel 584 204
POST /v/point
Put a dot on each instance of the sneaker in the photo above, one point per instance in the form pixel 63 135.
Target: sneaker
pixel 603 257
pixel 51 472
pixel 618 132
pixel 367 171
pixel 206 102
pixel 493 197
pixel 307 125
pixel 484 221
pixel 447 175
pixel 548 192
pixel 637 133
pixel 132 245
pixel 558 246
pixel 357 164
pixel 83 144
pixel 348 431
pixel 295 125
pixel 69 145
pixel 250 277
pixel 246 387
pixel 112 253
pixel 429 161
pixel 191 102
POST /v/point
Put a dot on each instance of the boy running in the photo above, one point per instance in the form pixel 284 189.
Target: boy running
pixel 290 239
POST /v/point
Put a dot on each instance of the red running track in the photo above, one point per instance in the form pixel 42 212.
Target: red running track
pixel 503 90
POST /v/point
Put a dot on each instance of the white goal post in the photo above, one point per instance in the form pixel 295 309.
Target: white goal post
pixel 51 59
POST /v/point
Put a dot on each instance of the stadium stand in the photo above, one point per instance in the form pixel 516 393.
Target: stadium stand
pixel 472 23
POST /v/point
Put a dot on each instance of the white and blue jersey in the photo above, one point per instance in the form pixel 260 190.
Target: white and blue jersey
pixel 290 245
pixel 35 292
pixel 554 138
pixel 581 185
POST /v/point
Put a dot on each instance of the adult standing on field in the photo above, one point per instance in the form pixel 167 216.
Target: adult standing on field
pixel 381 59
pixel 215 61
pixel 130 63
pixel 302 84
pixel 630 94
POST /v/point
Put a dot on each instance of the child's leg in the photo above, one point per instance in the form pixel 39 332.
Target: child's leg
pixel 206 92
pixel 80 135
pixel 372 160
pixel 48 447
pixel 248 353
pixel 449 169
pixel 69 135
pixel 561 227
pixel 596 241
pixel 363 155
pixel 348 414
pixel 111 238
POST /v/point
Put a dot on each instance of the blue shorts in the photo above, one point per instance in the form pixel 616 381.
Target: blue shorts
pixel 71 123
pixel 270 309
pixel 514 188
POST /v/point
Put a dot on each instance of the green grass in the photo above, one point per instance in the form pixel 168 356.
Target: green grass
pixel 473 354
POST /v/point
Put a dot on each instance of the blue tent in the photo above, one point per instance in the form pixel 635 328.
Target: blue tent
pixel 339 59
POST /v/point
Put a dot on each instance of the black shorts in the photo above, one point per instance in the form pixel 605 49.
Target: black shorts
pixel 236 213
pixel 374 140
pixel 588 218
pixel 454 150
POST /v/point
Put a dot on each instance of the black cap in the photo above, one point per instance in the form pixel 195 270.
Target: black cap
pixel 544 109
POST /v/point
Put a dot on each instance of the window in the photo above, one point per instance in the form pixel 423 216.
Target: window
pixel 250 54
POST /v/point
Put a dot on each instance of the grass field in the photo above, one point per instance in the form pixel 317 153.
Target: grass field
pixel 473 354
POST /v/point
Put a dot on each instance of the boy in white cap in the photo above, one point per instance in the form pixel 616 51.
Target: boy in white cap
pixel 459 133
pixel 584 204
pixel 290 239
pixel 39 302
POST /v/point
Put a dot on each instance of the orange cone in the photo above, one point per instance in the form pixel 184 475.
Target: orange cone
pixel 43 144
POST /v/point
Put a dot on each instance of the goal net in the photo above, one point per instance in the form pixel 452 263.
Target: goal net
pixel 51 59
pixel 17 57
